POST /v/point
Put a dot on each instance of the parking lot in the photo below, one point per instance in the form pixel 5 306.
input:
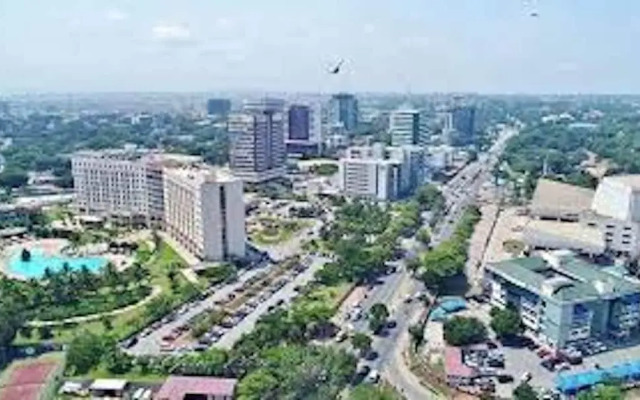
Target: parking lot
pixel 528 359
pixel 261 304
pixel 150 339
pixel 242 304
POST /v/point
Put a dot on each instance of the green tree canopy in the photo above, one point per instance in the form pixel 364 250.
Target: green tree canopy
pixel 378 314
pixel 462 331
pixel 506 322
pixel 524 391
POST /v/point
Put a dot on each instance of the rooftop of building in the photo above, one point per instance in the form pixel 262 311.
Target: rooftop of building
pixel 616 197
pixel 198 175
pixel 178 387
pixel 630 181
pixel 563 277
pixel 132 153
pixel 454 364
pixel 573 231
pixel 553 195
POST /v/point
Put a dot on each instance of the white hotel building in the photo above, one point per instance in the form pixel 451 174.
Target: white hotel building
pixel 201 209
pixel 204 212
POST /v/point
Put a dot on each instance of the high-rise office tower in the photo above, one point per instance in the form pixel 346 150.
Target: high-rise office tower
pixel 344 111
pixel 405 127
pixel 257 137
pixel 460 122
pixel 303 129
pixel 218 107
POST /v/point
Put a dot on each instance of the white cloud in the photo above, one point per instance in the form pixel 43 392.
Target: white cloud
pixel 368 29
pixel 116 15
pixel 224 23
pixel 171 33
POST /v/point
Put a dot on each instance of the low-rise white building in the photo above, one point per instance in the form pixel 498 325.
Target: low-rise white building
pixel 205 213
pixel 613 209
pixel 381 173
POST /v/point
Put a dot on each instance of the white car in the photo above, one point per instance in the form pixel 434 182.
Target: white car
pixel 373 377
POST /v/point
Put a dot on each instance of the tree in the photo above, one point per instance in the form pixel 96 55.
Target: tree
pixel 45 332
pixel 507 322
pixel 378 315
pixel 608 391
pixel 11 319
pixel 361 342
pixel 106 322
pixel 524 391
pixel 257 385
pixel 85 351
pixel 424 236
pixel 372 392
pixel 417 335
pixel 25 255
pixel 462 331
pixel 116 361
pixel 13 178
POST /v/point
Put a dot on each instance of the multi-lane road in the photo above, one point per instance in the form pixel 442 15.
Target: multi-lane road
pixel 459 192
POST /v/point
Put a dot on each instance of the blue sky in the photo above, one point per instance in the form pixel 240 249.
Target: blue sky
pixel 489 46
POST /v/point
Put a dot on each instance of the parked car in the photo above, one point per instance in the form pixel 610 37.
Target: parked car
pixel 505 378
pixel 373 377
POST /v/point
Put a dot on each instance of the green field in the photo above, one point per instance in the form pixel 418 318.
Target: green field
pixel 275 231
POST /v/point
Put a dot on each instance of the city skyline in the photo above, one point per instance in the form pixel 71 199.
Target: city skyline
pixel 412 47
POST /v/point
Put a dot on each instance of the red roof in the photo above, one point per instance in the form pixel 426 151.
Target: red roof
pixel 177 387
pixel 453 364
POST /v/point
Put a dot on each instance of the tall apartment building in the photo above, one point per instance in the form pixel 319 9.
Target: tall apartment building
pixel 123 185
pixel 343 110
pixel 563 299
pixel 405 126
pixel 257 135
pixel 204 212
pixel 218 107
pixel 381 173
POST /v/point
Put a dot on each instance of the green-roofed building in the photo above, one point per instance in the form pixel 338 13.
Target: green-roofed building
pixel 564 299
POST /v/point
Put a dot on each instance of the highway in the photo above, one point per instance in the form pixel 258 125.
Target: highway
pixel 459 193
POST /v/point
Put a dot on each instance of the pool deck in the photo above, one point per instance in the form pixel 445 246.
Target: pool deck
pixel 53 247
pixel 48 246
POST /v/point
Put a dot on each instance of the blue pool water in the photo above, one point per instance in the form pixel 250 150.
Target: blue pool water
pixel 35 267
pixel 446 306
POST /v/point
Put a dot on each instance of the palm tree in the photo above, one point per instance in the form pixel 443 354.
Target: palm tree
pixel 139 273
pixel 66 269
pixel 86 280
pixel 111 276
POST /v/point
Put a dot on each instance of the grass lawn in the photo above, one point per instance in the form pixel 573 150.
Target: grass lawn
pixel 326 295
pixel 127 323
pixel 278 231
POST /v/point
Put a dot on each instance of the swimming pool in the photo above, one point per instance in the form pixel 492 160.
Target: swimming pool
pixel 35 267
pixel 446 306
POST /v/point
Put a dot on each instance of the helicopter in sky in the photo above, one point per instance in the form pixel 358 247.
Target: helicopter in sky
pixel 336 69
